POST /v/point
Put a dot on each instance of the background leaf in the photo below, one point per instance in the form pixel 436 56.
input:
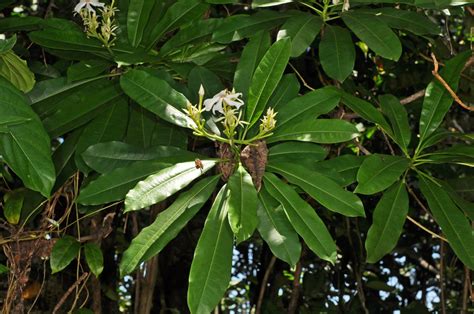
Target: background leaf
pixel 94 258
pixel 212 262
pixel 64 251
pixel 302 28
pixel 336 52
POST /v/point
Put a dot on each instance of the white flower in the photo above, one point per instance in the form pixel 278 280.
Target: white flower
pixel 223 97
pixel 88 4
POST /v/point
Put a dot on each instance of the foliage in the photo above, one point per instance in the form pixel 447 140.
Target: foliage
pixel 133 122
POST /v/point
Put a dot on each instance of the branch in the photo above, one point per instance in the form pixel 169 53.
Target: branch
pixel 69 291
pixel 263 287
pixel 295 294
pixel 414 97
pixel 446 86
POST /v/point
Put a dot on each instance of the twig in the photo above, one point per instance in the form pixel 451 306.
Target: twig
pixel 69 291
pixel 446 86
pixel 295 294
pixel 263 286
pixel 465 294
pixel 426 229
pixel 388 144
pixel 414 97
pixel 301 77
pixel 362 148
pixel 442 252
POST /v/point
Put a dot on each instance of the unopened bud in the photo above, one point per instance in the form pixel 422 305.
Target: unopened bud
pixel 201 91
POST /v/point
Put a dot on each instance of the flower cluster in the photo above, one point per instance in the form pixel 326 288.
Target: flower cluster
pixel 103 29
pixel 225 107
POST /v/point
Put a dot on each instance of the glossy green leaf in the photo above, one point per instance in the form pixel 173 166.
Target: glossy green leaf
pixel 324 190
pixel 296 152
pixel 25 147
pixel 378 172
pixel 114 185
pixel 164 183
pixel 240 26
pixel 437 99
pixel 7 44
pixel 242 204
pixel 86 69
pixel 268 3
pixel 303 218
pixel 346 166
pixel 212 263
pixel 266 77
pixel 94 258
pixel 452 221
pixel 251 56
pixel 108 126
pixel 460 154
pixel 276 230
pixel 398 117
pixel 152 239
pixel 12 205
pixel 157 96
pixel 387 224
pixel 337 52
pixel 366 110
pixel 414 22
pixel 61 115
pixel 302 28
pixel 375 33
pixel 190 34
pixel 286 90
pixel 105 157
pixel 324 131
pixel 64 251
pixel 138 14
pixel 16 71
pixel 310 105
pixel 181 12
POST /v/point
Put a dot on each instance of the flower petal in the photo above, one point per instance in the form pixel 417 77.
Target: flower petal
pixel 79 6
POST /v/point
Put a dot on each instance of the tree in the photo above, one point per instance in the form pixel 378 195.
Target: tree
pixel 198 156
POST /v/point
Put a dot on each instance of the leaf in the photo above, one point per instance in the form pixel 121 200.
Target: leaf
pixel 240 26
pixel 324 190
pixel 105 157
pixel 452 221
pixel 13 203
pixel 86 70
pixel 366 110
pixel 108 126
pixel 181 12
pixel 242 204
pixel 157 96
pixel 15 70
pixel 61 115
pixel 114 185
pixel 137 18
pixel 346 166
pixel 268 3
pixel 7 44
pixel 64 251
pixel 302 28
pixel 308 106
pixel 296 152
pixel 323 131
pixel 437 99
pixel 266 77
pixel 387 222
pixel 212 263
pixel 3 269
pixel 286 90
pixel 375 33
pixel 378 172
pixel 303 218
pixel 276 230
pixel 25 147
pixel 251 56
pixel 398 117
pixel 152 239
pixel 417 23
pixel 94 258
pixel 336 52
pixel 165 183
